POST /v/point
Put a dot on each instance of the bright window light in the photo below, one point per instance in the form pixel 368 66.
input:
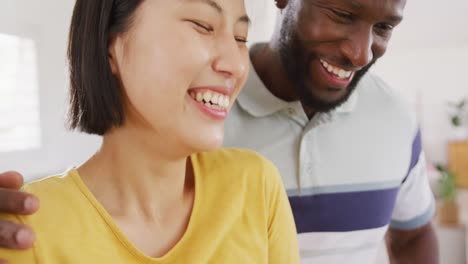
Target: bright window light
pixel 19 94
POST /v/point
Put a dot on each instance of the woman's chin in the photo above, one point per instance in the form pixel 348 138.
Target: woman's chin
pixel 205 144
pixel 211 145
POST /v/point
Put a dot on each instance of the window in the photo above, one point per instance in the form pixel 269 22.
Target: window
pixel 19 94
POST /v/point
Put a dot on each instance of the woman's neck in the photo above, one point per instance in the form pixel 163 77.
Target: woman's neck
pixel 132 177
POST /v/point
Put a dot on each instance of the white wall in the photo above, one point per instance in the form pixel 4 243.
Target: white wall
pixel 46 21
pixel 263 16
pixel 427 63
pixel 429 78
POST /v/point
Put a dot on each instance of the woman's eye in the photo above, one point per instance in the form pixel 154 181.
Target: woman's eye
pixel 241 40
pixel 203 26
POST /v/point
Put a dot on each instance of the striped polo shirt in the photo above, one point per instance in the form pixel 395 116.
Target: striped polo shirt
pixel 350 173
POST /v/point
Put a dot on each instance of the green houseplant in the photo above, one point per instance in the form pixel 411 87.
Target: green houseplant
pixel 447 192
pixel 457 110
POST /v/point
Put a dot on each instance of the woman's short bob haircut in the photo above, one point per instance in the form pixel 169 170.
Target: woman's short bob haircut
pixel 96 103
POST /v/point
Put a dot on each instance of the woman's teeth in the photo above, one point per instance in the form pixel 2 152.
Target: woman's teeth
pixel 211 99
pixel 338 72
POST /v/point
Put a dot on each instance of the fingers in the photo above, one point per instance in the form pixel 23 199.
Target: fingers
pixel 15 236
pixel 16 202
pixel 11 180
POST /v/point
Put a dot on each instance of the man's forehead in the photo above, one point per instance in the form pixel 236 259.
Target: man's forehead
pixel 359 3
pixel 391 8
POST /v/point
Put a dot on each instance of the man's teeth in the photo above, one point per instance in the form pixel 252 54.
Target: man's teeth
pixel 211 99
pixel 342 74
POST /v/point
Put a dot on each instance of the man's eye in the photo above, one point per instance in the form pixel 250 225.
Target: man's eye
pixel 384 28
pixel 203 26
pixel 342 15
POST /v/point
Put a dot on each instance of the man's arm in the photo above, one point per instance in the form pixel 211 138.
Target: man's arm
pixel 413 246
pixel 12 201
pixel 411 238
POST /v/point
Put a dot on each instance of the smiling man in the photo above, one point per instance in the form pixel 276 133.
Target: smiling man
pixel 348 148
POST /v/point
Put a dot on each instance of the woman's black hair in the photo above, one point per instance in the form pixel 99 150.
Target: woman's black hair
pixel 96 103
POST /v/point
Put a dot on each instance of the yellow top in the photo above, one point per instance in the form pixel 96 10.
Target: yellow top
pixel 240 215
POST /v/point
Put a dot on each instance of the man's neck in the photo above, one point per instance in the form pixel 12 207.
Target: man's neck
pixel 267 64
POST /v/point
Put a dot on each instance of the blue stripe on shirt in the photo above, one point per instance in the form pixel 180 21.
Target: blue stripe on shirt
pixel 342 212
pixel 415 153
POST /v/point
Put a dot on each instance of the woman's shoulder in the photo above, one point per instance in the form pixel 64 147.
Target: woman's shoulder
pixel 234 158
pixel 51 186
pixel 58 195
pixel 235 164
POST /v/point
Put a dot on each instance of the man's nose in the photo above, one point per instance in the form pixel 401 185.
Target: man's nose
pixel 358 47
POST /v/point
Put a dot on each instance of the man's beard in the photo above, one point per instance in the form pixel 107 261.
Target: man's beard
pixel 296 63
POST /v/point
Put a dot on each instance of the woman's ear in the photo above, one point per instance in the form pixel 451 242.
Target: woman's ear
pixel 281 4
pixel 112 55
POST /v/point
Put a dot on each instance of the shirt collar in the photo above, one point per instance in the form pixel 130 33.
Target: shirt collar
pixel 350 104
pixel 257 100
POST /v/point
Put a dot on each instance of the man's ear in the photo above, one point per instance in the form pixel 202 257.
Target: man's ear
pixel 281 4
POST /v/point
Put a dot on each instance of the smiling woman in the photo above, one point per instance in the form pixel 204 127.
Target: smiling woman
pixel 156 80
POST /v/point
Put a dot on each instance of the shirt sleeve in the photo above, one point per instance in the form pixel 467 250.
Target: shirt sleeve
pixel 415 205
pixel 282 235
pixel 17 256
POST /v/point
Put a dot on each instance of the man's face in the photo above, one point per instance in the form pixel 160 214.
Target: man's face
pixel 326 46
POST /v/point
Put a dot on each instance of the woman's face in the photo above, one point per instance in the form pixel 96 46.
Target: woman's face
pixel 181 65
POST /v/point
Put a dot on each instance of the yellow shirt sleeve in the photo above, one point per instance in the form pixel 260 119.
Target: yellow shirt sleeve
pixel 13 256
pixel 282 235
